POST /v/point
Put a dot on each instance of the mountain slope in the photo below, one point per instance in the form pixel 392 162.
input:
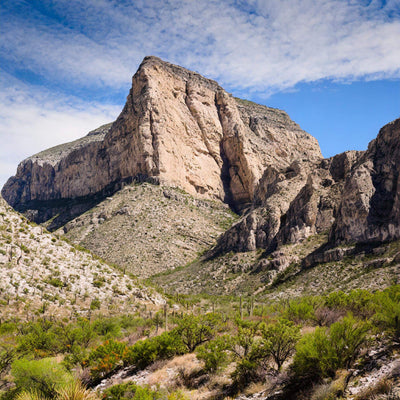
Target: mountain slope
pixel 150 228
pixel 41 274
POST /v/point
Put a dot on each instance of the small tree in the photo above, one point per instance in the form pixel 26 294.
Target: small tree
pixel 321 353
pixel 248 348
pixel 388 311
pixel 280 340
pixel 196 330
pixel 213 354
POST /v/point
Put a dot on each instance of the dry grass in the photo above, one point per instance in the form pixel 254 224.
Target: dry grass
pixel 382 387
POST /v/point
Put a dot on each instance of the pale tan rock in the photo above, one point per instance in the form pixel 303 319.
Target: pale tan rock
pixel 177 128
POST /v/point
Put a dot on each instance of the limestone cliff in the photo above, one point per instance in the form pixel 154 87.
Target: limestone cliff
pixel 290 204
pixel 178 128
pixel 370 206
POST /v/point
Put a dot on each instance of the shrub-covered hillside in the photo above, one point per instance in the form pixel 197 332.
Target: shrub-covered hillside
pixel 340 345
pixel 43 275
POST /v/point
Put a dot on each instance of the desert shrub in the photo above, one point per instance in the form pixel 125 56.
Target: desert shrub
pixel 108 327
pixel 43 376
pixel 249 349
pixel 38 338
pixel 196 330
pixel 325 316
pixel 95 304
pixel 280 340
pixel 71 335
pixel 246 342
pixel 145 352
pixel 7 327
pixel 75 391
pixel 387 305
pixel 31 395
pixel 213 354
pixel 246 371
pixel 357 302
pixel 127 391
pixel 321 353
pixel 299 310
pixel 7 355
pixel 106 358
pixel 141 354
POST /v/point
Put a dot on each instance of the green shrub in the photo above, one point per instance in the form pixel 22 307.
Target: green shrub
pixel 106 358
pixel 95 304
pixel 141 354
pixel 321 353
pixel 387 305
pixel 39 339
pixel 145 352
pixel 56 282
pixel 300 310
pixel 245 372
pixel 249 349
pixel 213 354
pixel 109 327
pixel 196 330
pixel 127 391
pixel 43 376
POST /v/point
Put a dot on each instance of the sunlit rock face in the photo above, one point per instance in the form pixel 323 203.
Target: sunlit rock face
pixel 370 205
pixel 178 128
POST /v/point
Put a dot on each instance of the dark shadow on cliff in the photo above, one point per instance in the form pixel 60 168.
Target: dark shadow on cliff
pixel 56 213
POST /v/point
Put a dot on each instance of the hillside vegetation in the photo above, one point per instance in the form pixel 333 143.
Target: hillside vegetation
pixel 43 275
pixel 340 345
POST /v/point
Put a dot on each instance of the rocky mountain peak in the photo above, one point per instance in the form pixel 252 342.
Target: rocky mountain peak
pixel 177 128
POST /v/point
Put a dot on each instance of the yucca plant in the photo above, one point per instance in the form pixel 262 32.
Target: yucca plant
pixel 75 391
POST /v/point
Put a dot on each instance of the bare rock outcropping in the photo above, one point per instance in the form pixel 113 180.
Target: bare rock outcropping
pixel 178 128
pixel 291 204
pixel 370 206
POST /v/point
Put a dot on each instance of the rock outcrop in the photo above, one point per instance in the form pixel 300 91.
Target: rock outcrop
pixel 355 196
pixel 370 206
pixel 290 204
pixel 178 128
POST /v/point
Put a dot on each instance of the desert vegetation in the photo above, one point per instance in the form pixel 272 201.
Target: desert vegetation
pixel 205 348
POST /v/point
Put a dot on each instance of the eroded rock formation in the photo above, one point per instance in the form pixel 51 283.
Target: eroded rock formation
pixel 176 127
pixel 370 206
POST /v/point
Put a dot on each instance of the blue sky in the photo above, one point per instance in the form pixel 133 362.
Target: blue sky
pixel 66 65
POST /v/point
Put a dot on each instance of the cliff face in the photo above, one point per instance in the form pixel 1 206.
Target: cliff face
pixel 370 205
pixel 178 128
pixel 290 204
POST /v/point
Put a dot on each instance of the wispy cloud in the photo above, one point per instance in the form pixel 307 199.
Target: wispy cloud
pixel 73 49
pixel 257 44
pixel 32 120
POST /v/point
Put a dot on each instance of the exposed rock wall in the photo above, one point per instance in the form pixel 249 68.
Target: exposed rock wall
pixel 176 127
pixel 290 204
pixel 370 205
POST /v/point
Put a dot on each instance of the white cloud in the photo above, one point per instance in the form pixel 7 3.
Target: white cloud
pixel 32 121
pixel 278 44
pixel 254 45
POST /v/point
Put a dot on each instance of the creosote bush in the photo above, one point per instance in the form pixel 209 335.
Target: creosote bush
pixel 321 353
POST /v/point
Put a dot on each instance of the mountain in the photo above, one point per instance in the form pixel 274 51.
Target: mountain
pixel 151 191
pixel 176 128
